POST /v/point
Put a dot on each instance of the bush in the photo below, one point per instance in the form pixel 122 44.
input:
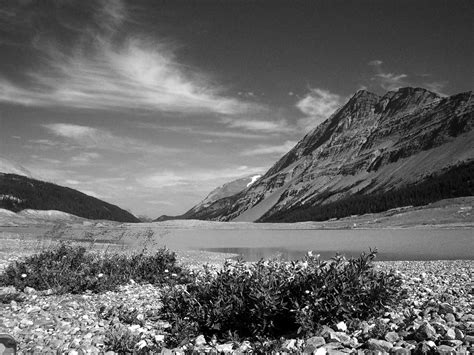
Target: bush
pixel 67 268
pixel 274 298
pixel 120 339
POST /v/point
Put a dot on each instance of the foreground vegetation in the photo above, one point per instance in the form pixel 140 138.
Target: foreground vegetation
pixel 275 298
pixel 263 300
pixel 73 269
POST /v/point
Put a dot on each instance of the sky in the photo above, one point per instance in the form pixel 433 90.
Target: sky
pixel 152 104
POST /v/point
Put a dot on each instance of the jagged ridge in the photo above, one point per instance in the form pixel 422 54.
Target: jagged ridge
pixel 371 144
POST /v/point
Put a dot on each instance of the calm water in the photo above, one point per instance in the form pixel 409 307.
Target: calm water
pixel 392 244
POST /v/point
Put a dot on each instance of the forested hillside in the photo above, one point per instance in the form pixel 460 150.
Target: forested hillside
pixel 454 182
pixel 20 192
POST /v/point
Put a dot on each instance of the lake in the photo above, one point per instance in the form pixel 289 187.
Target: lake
pixel 392 244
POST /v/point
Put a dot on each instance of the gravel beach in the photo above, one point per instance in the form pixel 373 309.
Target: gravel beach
pixel 437 317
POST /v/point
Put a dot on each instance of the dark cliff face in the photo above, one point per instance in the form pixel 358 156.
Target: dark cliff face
pixel 371 143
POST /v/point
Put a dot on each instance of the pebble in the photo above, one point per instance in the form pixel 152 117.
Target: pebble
pixel 437 313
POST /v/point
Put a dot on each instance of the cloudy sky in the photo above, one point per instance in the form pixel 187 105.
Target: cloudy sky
pixel 152 104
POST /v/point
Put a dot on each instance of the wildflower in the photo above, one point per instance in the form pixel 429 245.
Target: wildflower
pixel 307 292
pixel 100 275
pixel 23 275
pixel 166 270
pixel 174 275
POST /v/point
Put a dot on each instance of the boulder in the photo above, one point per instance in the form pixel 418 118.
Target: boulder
pixel 200 340
pixel 445 350
pixel 446 308
pixel 425 332
pixel 379 345
pixel 392 337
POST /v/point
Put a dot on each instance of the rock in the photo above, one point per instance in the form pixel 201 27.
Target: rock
pixel 459 334
pixel 379 345
pixel 450 334
pixel 313 343
pixel 7 290
pixel 25 322
pixel 469 339
pixel 453 343
pixel 425 332
pixel 333 337
pixel 445 350
pixel 200 340
pixel 440 327
pixel 450 318
pixel 289 345
pixel 392 337
pixel 423 348
pixel 341 326
pixel 343 338
pixel 446 308
pixel 399 351
pixel 244 347
pixel 320 351
pixel 225 348
pixel 29 290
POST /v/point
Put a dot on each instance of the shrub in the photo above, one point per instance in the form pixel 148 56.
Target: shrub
pixel 274 298
pixel 122 340
pixel 68 268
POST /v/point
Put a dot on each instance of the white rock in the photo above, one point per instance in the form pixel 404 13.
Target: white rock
pixel 200 340
pixel 341 326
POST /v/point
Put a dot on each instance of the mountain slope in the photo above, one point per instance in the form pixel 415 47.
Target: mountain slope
pixel 18 193
pixel 221 192
pixel 371 145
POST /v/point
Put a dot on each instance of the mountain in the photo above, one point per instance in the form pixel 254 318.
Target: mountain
pixel 18 193
pixel 374 152
pixel 223 191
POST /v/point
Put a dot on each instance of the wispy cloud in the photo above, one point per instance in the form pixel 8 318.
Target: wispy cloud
pixel 436 86
pixel 259 125
pixel 166 179
pixel 99 73
pixel 317 105
pixel 262 149
pixel 85 158
pixel 199 131
pixel 95 138
pixel 388 81
pixel 393 81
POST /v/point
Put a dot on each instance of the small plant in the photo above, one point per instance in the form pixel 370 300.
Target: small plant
pixel 68 268
pixel 275 298
pixel 121 340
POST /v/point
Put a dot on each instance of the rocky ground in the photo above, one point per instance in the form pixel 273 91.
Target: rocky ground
pixel 436 317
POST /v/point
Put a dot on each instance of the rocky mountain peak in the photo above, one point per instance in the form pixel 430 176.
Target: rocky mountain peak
pixel 405 98
pixel 371 145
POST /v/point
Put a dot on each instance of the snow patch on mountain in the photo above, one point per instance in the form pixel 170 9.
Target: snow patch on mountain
pixel 253 179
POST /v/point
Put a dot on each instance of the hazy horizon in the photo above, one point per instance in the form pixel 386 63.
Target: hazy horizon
pixel 152 104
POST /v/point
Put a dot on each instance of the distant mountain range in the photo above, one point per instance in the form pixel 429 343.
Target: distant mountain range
pixel 20 192
pixel 408 147
pixel 219 193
